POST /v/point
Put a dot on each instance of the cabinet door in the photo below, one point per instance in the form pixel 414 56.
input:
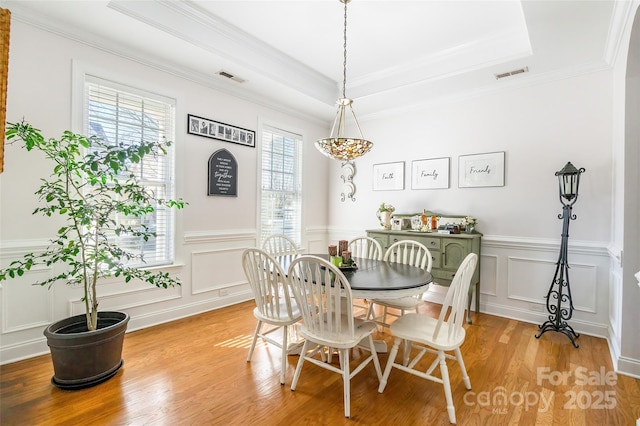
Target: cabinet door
pixel 454 252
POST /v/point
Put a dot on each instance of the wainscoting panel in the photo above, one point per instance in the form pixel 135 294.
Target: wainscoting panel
pixel 316 239
pixel 615 302
pixel 615 310
pixel 134 296
pixel 216 269
pixel 529 280
pixel 488 274
pixel 520 271
pixel 515 277
pixel 25 305
pixel 209 266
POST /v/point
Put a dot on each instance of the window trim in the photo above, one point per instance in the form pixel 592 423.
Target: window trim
pixel 80 70
pixel 262 124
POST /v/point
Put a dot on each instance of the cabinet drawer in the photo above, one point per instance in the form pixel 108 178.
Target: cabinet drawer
pixel 432 243
pixel 436 257
pixel 380 238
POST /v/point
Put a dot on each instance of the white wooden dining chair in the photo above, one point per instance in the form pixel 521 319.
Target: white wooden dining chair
pixel 324 297
pixel 365 247
pixel 278 244
pixel 276 308
pixel 368 248
pixel 435 336
pixel 408 252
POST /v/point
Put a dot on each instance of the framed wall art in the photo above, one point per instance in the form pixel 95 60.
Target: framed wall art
pixel 5 25
pixel 216 130
pixel 432 173
pixel 388 176
pixel 223 174
pixel 481 170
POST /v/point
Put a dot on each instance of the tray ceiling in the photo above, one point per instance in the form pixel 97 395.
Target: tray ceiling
pixel 400 54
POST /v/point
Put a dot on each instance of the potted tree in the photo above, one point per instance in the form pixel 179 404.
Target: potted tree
pixel 92 188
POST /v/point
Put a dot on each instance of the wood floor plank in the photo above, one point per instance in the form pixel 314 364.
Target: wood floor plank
pixel 194 372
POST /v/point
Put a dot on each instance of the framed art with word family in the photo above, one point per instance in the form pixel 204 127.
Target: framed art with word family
pixel 430 174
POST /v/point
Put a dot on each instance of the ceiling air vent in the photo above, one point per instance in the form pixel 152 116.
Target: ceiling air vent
pixel 230 76
pixel 510 73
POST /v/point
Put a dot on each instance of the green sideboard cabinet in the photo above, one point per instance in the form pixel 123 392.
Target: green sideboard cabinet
pixel 447 250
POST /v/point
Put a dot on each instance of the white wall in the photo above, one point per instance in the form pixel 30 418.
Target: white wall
pixel 213 231
pixel 625 314
pixel 540 127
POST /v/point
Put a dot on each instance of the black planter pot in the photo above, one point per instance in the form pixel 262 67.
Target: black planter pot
pixel 83 358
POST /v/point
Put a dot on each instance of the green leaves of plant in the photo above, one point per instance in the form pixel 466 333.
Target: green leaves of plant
pixel 90 185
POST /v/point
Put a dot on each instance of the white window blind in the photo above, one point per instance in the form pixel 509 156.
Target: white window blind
pixel 281 189
pixel 122 115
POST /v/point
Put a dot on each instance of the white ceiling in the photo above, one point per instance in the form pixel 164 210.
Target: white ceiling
pixel 399 53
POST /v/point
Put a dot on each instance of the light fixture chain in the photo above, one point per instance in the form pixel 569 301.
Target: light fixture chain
pixel 337 145
pixel 344 64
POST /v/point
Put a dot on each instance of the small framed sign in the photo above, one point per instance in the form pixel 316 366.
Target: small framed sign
pixel 481 170
pixel 430 174
pixel 223 174
pixel 221 131
pixel 388 176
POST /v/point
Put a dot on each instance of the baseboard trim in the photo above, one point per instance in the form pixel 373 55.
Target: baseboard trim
pixel 37 347
pixel 628 367
pixel 23 350
pixel 581 327
pixel 151 319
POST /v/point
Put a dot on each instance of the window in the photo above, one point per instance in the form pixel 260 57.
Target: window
pixel 123 115
pixel 281 188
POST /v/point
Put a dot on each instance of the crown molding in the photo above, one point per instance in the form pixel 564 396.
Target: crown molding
pixel 305 93
pixel 522 81
pixel 479 54
pixel 117 49
pixel 620 18
pixel 188 22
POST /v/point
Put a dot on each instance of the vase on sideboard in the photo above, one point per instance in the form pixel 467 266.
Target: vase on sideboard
pixel 385 219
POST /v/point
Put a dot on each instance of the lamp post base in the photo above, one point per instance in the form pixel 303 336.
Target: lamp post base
pixel 565 329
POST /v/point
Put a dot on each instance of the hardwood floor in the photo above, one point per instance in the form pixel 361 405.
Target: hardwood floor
pixel 194 372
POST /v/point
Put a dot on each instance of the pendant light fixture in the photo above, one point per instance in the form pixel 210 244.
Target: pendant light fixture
pixel 337 145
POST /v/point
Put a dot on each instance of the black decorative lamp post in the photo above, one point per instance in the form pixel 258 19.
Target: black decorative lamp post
pixel 559 303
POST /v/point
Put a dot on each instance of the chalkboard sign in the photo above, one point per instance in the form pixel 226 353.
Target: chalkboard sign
pixel 223 174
